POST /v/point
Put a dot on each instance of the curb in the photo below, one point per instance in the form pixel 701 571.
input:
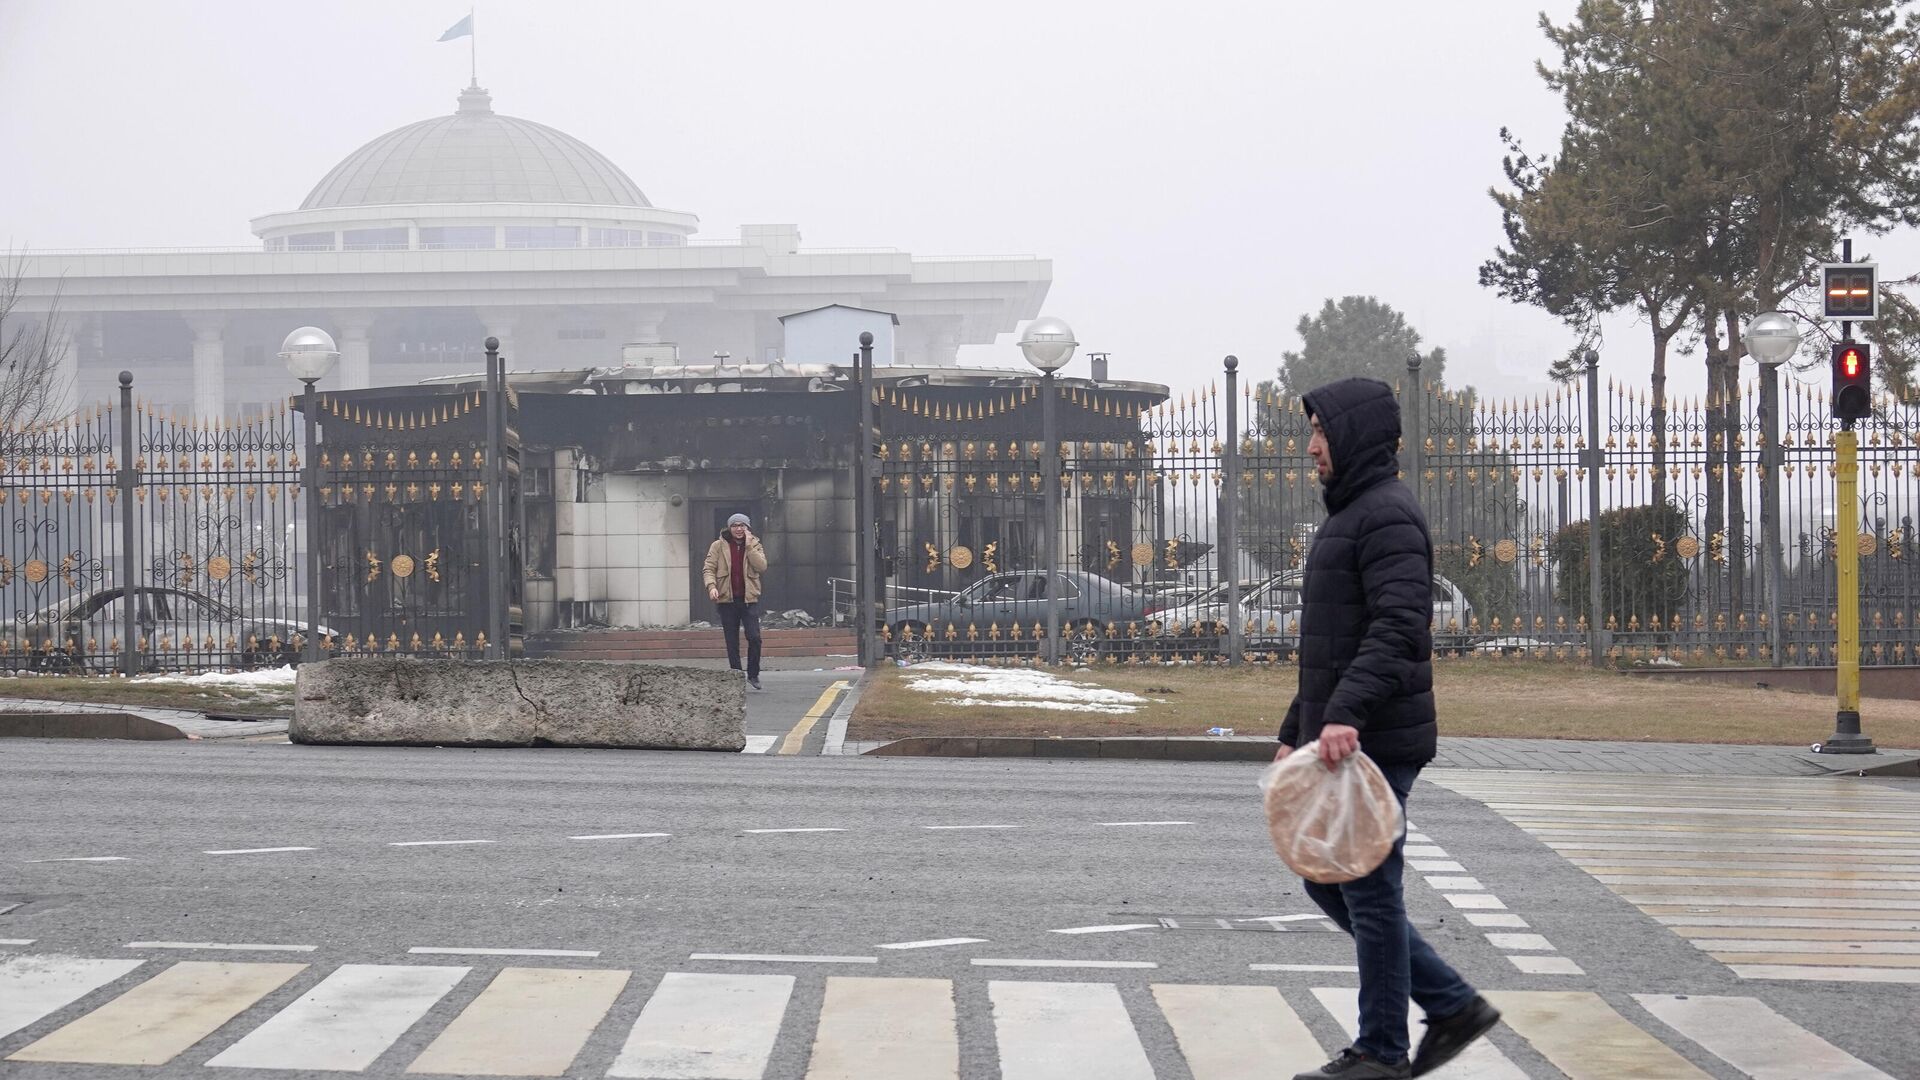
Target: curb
pixel 836 741
pixel 1137 747
pixel 36 719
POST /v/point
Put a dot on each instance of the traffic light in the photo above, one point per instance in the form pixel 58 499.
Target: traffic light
pixel 1848 291
pixel 1852 380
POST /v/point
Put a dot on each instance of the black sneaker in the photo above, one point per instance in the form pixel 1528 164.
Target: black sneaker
pixel 755 683
pixel 1448 1035
pixel 1351 1064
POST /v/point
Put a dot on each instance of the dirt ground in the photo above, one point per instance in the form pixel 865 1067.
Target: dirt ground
pixel 1477 697
pixel 113 690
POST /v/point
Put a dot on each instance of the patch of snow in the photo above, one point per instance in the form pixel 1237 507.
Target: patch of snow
pixel 274 678
pixel 968 684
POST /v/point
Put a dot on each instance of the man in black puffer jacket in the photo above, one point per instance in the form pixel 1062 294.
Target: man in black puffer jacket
pixel 1366 683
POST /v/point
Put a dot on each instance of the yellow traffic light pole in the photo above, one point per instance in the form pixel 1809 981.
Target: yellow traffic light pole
pixel 1847 737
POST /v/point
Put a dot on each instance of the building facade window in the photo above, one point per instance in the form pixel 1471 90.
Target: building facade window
pixel 661 239
pixel 456 237
pixel 391 239
pixel 598 237
pixel 542 236
pixel 277 243
pixel 312 241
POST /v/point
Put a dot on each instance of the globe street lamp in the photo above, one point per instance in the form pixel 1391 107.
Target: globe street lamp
pixel 1772 337
pixel 1048 344
pixel 309 354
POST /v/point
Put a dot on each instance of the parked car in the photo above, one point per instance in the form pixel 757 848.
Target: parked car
pixel 1088 603
pixel 1273 607
pixel 165 618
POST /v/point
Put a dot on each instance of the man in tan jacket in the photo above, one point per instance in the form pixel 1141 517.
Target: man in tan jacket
pixel 732 574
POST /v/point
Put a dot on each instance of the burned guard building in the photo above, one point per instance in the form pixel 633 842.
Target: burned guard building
pixel 627 471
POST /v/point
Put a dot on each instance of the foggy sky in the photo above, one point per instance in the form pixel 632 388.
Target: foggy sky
pixel 1199 180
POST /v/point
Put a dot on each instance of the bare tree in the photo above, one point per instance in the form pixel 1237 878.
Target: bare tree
pixel 33 388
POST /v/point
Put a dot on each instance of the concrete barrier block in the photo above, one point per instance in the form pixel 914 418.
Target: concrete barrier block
pixel 409 702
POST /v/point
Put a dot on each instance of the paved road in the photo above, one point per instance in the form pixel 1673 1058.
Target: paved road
pixel 720 949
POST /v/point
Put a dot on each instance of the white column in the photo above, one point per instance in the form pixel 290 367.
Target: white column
pixel 943 342
pixel 356 350
pixel 209 365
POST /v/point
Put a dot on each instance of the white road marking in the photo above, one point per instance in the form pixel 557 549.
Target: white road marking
pixel 1481 1060
pixel 437 843
pixel 255 850
pixel 1546 965
pixel 1146 823
pixel 1237 1032
pixel 1065 1031
pixel 789 830
pixel 1480 901
pixel 16 941
pixel 886 1028
pixel 933 943
pixel 621 836
pixel 1745 1033
pixel 782 958
pixel 760 744
pixel 218 945
pixel 162 1018
pixel 1424 851
pixel 944 828
pixel 35 987
pixel 85 858
pixel 1113 928
pixel 345 1022
pixel 1807 973
pixel 1304 917
pixel 527 1022
pixel 1117 964
pixel 1586 1039
pixel 431 950
pixel 1436 866
pixel 1463 884
pixel 1494 918
pixel 1304 967
pixel 1520 942
pixel 1788 924
pixel 706 1027
pixel 1418 838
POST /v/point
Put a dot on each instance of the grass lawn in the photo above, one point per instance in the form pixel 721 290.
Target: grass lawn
pixel 113 690
pixel 1477 697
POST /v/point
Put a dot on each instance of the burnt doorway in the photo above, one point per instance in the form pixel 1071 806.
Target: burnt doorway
pixel 707 519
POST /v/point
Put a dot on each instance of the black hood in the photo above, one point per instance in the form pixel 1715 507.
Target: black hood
pixel 1362 422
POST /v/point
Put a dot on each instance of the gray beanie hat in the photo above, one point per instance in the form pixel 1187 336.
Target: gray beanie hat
pixel 739 519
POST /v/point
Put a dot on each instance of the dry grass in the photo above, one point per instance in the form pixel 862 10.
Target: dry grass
pixel 1478 697
pixel 112 690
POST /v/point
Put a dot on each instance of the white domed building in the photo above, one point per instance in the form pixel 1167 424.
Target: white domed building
pixel 427 240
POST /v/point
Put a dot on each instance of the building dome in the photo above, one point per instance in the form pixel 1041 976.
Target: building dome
pixel 475 156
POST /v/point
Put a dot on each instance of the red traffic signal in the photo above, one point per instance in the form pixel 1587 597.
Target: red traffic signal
pixel 1852 380
pixel 1849 291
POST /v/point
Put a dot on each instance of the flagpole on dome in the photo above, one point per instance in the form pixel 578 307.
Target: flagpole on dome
pixel 464 28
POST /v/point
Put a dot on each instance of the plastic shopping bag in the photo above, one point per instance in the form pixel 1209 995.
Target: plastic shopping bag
pixel 1330 825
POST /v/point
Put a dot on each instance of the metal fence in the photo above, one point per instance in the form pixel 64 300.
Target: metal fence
pixel 1714 520
pixel 132 538
pixel 135 539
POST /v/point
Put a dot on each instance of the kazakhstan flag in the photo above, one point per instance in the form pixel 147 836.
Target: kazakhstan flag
pixel 463 28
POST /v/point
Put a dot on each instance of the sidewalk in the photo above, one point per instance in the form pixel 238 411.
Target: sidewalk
pixel 1544 755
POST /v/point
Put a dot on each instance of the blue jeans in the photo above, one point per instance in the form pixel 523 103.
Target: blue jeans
pixel 1395 963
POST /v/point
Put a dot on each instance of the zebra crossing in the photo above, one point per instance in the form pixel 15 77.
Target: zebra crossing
pixel 537 1021
pixel 1806 879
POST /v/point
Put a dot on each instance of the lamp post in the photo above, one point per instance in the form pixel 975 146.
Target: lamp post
pixel 1048 344
pixel 1772 338
pixel 866 561
pixel 309 354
